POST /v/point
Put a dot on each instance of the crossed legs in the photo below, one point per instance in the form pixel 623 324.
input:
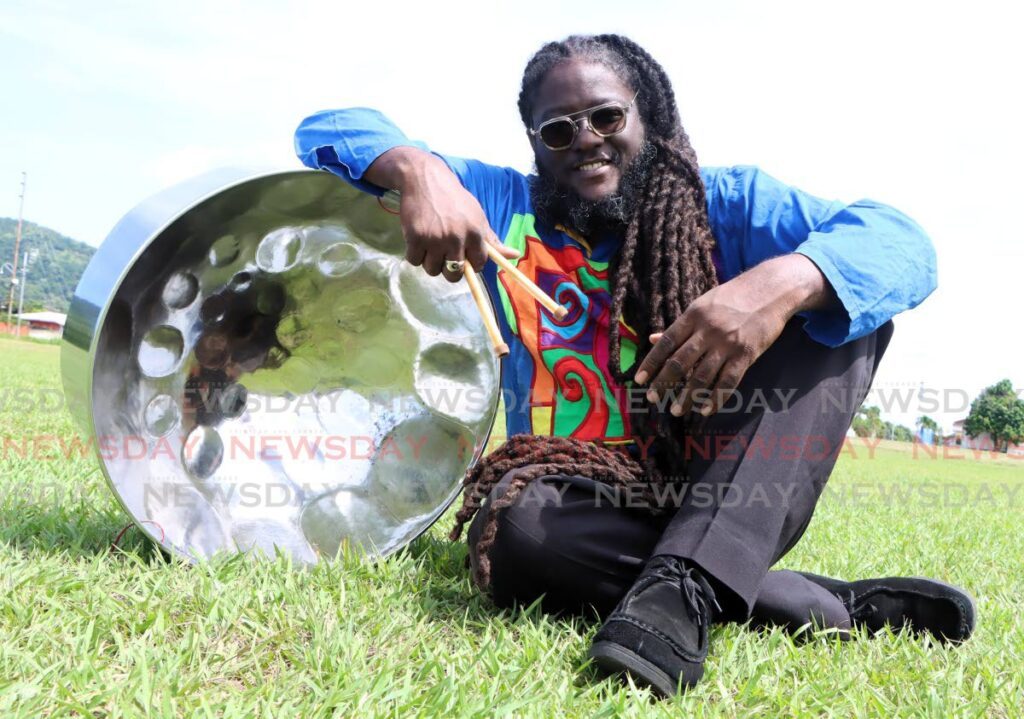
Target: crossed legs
pixel 755 474
pixel 581 555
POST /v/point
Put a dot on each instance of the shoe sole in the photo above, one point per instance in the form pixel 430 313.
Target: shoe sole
pixel 615 659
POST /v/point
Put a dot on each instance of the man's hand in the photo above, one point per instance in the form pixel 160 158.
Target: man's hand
pixel 441 221
pixel 720 335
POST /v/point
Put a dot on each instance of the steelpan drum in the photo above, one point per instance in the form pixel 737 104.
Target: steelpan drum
pixel 259 369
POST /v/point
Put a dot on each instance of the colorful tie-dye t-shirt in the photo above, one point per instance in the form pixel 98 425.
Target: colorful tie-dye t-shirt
pixel 558 374
pixel 556 378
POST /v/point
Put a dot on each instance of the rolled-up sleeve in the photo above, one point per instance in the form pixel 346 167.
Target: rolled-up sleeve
pixel 878 260
pixel 346 142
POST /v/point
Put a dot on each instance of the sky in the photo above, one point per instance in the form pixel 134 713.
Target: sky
pixel 915 104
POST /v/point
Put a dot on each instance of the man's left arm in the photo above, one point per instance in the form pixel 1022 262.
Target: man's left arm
pixel 876 260
pixel 847 269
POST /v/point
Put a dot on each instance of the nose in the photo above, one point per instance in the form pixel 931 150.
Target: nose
pixel 586 138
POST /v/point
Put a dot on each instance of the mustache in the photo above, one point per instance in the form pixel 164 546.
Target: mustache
pixel 555 203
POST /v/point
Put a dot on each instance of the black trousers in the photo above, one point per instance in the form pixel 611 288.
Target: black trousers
pixel 756 471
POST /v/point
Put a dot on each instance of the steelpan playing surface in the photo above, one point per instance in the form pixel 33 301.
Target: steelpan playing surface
pixel 271 374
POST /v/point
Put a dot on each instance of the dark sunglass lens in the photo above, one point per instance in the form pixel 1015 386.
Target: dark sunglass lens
pixel 608 120
pixel 557 134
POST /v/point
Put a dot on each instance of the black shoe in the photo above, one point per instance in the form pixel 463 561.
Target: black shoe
pixel 922 605
pixel 658 633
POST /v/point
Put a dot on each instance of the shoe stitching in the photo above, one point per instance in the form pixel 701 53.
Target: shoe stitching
pixel 686 654
pixel 695 598
pixel 964 629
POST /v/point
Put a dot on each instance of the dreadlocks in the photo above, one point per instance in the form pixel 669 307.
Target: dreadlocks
pixel 545 456
pixel 664 264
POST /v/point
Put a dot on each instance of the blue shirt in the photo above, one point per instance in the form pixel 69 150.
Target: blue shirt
pixel 878 261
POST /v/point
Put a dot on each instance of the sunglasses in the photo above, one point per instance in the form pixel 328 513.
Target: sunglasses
pixel 605 120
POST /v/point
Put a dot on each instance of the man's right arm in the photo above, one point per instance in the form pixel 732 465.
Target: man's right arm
pixel 348 141
pixel 441 219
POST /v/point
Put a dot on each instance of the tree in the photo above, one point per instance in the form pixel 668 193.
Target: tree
pixel 999 412
pixel 902 434
pixel 868 422
pixel 54 274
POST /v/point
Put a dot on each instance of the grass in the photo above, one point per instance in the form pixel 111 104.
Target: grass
pixel 86 631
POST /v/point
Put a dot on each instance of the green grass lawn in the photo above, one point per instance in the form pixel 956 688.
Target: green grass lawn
pixel 85 631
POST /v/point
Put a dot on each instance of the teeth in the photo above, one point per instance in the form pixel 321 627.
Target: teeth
pixel 593 165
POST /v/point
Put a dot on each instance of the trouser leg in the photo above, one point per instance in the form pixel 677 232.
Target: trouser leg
pixel 558 541
pixel 790 600
pixel 756 473
pixel 562 541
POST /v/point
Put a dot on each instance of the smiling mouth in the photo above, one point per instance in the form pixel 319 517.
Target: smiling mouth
pixel 592 165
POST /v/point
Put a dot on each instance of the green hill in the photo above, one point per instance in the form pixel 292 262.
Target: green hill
pixel 54 274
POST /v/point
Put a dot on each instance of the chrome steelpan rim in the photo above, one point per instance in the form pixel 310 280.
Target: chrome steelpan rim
pixel 121 248
pixel 97 290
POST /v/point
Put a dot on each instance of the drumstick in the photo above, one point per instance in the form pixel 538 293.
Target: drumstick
pixel 500 348
pixel 525 282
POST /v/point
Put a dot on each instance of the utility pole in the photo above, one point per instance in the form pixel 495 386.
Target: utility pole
pixel 17 246
pixel 26 260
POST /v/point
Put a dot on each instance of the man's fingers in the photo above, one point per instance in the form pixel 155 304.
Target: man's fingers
pixel 475 253
pixel 433 261
pixel 728 380
pixel 452 276
pixel 507 252
pixel 699 384
pixel 677 368
pixel 669 341
pixel 456 253
pixel 415 253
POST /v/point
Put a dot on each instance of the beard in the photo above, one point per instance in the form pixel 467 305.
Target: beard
pixel 555 204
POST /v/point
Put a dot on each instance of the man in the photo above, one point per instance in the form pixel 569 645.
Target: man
pixel 687 287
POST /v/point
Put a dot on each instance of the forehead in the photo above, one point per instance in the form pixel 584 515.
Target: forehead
pixel 575 85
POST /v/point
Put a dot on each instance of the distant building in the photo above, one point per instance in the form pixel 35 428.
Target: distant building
pixel 982 442
pixel 40 325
